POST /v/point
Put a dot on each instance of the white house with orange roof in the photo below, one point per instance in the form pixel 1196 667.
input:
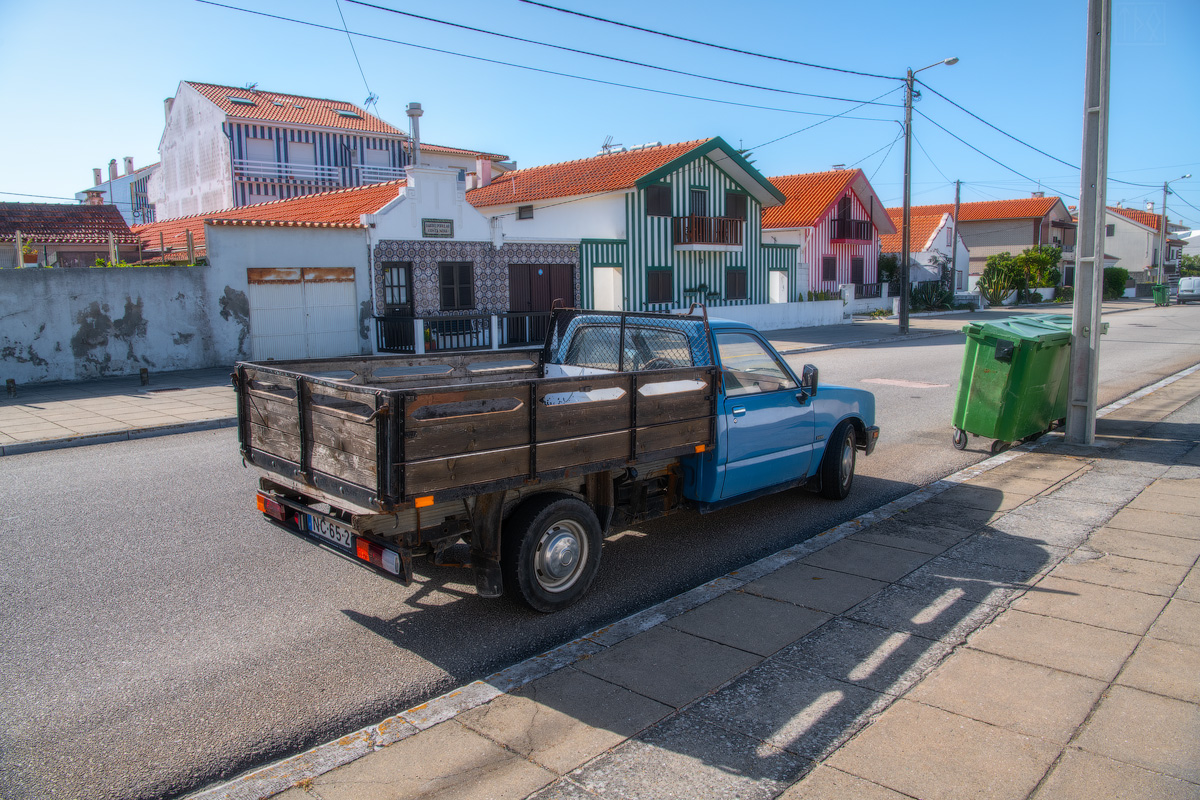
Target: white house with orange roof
pixel 836 219
pixel 1132 236
pixel 226 147
pixel 931 236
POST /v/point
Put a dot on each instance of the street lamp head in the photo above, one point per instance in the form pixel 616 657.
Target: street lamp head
pixel 1181 177
pixel 951 61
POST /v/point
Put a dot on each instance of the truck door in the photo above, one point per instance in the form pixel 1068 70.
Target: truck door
pixel 766 428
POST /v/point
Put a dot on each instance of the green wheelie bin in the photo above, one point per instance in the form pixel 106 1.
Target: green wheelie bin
pixel 1014 378
pixel 1162 296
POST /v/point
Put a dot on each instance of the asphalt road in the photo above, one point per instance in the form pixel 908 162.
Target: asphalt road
pixel 158 636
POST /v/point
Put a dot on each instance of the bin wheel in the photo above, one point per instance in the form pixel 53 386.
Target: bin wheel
pixel 999 447
pixel 960 439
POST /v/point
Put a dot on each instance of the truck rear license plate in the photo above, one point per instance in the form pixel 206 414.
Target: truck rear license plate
pixel 331 532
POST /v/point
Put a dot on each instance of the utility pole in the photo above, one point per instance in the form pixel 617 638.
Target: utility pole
pixel 1162 230
pixel 954 236
pixel 906 233
pixel 1085 326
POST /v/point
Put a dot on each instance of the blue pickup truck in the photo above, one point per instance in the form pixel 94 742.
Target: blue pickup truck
pixel 531 458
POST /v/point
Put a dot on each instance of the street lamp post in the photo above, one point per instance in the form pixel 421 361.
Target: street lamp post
pixel 1162 231
pixel 905 234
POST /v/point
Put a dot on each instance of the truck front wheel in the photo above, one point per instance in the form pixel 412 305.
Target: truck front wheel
pixel 837 467
pixel 550 551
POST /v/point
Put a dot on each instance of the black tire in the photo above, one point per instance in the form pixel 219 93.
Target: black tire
pixel 837 467
pixel 960 439
pixel 999 447
pixel 550 551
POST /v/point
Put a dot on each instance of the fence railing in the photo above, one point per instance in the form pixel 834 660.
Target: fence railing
pixel 523 329
pixel 868 291
pixel 851 229
pixel 402 334
pixel 708 230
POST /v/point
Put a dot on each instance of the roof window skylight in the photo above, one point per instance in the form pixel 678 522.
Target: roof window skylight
pixel 342 112
pixel 241 101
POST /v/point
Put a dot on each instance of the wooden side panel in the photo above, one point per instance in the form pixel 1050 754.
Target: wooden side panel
pixel 276 442
pixel 565 410
pixel 673 436
pixel 470 419
pixel 427 477
pixel 584 450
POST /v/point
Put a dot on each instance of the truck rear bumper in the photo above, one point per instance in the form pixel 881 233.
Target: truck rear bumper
pixel 872 438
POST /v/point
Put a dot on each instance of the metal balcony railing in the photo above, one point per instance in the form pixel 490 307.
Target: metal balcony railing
pixel 850 230
pixel 708 230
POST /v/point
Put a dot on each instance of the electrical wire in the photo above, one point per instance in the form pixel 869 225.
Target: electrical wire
pixel 710 44
pixel 827 119
pixel 350 39
pixel 617 59
pixel 985 155
pixel 887 146
pixel 542 70
pixel 885 157
pixel 931 161
pixel 52 197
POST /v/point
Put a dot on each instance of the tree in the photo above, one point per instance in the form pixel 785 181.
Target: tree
pixel 1189 266
pixel 888 267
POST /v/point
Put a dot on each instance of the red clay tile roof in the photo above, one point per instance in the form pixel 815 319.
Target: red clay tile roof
pixel 50 223
pixel 1021 208
pixel 1147 218
pixel 461 151
pixel 606 173
pixel 276 107
pixel 341 208
pixel 808 197
pixel 922 229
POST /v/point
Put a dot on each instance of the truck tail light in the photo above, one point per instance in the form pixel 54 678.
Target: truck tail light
pixel 271 507
pixel 387 560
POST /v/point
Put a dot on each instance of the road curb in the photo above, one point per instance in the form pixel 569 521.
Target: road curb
pixel 861 342
pixel 20 448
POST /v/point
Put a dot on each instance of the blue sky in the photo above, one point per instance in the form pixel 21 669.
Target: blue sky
pixel 83 82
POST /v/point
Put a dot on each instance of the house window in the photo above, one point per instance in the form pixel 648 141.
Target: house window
pixel 949 237
pixel 260 149
pixel 660 286
pixel 658 200
pixel 302 153
pixel 735 205
pixel 843 211
pixel 457 285
pixel 698 202
pixel 524 212
pixel 858 273
pixel 829 268
pixel 1110 230
pixel 735 283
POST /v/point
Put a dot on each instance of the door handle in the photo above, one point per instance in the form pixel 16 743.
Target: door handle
pixel 738 411
pixel 802 397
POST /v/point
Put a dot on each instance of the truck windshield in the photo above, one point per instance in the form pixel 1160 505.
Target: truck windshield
pixel 747 366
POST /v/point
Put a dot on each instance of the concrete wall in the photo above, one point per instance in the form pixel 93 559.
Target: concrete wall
pixel 77 324
pixel 778 316
pixel 195 174
pixel 565 219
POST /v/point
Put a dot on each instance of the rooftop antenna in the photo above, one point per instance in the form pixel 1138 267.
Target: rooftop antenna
pixel 608 147
pixel 372 100
pixel 250 87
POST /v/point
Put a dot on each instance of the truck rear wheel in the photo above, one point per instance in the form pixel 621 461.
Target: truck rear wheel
pixel 550 551
pixel 837 467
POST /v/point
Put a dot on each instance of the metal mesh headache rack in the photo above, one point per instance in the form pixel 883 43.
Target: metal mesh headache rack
pixel 628 341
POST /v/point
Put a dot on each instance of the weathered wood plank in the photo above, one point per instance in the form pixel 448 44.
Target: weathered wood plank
pixel 427 477
pixel 344 466
pixel 678 434
pixel 472 434
pixel 348 435
pixel 586 450
pixel 583 419
pixel 276 442
pixel 275 414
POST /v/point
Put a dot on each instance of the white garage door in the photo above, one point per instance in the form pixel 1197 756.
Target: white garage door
pixel 309 312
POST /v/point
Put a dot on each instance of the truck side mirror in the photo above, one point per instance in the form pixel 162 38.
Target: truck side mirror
pixel 808 380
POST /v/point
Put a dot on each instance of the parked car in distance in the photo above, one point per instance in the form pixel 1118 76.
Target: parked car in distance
pixel 1189 289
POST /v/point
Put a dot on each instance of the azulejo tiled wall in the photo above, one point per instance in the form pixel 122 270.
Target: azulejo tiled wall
pixel 491 269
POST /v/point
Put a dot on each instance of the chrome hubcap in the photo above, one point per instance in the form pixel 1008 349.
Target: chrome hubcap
pixel 561 552
pixel 847 458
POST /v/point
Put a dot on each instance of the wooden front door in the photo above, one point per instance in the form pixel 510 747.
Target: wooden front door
pixel 533 288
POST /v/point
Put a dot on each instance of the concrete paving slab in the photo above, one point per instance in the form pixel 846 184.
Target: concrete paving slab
pixel 1182 472
pixel 565 719
pixel 1182 487
pixel 940 516
pixel 689 758
pixel 561 789
pixel 447 762
pixel 1168 503
pixel 1185 526
pixel 1056 532
pixel 1105 569
pixel 792 708
pixel 1148 546
pixel 1022 697
pixel 1190 588
pixel 972 580
pixel 912 536
pixel 1148 470
pixel 749 622
pixel 669 666
pixel 1102 606
pixel 1083 776
pixel 937 612
pixel 1095 511
pixel 1166 668
pixel 867 560
pixel 1147 730
pixel 827 783
pixel 812 587
pixel 1001 550
pixel 1056 643
pixel 987 498
pixel 1048 470
pixel 861 654
pixel 953 757
pixel 1179 622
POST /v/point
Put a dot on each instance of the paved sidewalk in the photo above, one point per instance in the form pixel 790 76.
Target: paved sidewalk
pixel 1029 628
pixel 50 416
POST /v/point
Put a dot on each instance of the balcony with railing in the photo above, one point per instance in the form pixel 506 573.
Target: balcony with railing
pixel 850 230
pixel 245 169
pixel 722 234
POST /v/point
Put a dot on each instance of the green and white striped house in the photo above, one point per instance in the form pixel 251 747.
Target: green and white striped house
pixel 658 225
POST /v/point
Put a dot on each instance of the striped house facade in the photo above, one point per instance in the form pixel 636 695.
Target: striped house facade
pixel 853 260
pixel 648 253
pixel 275 163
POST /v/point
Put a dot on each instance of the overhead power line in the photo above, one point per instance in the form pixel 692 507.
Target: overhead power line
pixel 617 59
pixel 710 44
pixel 887 146
pixel 540 69
pixel 931 161
pixel 823 121
pixel 370 95
pixel 885 157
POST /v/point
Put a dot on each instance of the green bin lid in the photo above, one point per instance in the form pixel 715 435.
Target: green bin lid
pixel 1028 329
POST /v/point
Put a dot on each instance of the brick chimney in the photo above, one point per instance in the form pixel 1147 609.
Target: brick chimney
pixel 97 176
pixel 128 165
pixel 1039 194
pixel 95 197
pixel 483 171
pixel 112 169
